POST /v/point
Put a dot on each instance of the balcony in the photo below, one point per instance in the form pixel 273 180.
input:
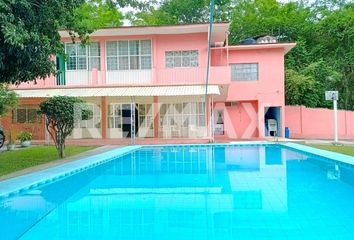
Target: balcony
pixel 155 76
pixel 129 77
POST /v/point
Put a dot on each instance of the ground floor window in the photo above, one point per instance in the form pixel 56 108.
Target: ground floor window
pixel 145 116
pixel 94 121
pixel 182 119
pixel 115 115
pixel 26 114
pixel 182 114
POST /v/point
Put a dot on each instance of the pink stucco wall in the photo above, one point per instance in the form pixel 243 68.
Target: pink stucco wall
pixel 268 90
pixel 241 120
pixel 317 123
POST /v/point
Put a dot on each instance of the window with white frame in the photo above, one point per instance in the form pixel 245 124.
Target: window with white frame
pixel 244 71
pixel 25 114
pixel 183 114
pixel 129 55
pixel 83 57
pixel 95 119
pixel 115 115
pixel 94 56
pixel 145 116
pixel 182 58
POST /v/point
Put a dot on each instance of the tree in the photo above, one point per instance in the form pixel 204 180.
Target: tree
pixel 181 12
pixel 95 14
pixel 8 99
pixel 287 21
pixel 335 41
pixel 326 78
pixel 301 89
pixel 61 113
pixel 29 32
pixel 29 36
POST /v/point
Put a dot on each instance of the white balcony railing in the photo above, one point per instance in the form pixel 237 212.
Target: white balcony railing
pixel 129 77
pixel 155 76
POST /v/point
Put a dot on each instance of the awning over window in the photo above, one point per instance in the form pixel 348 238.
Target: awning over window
pixel 192 90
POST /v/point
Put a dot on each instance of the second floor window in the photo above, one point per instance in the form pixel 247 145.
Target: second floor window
pixel 244 72
pixel 83 57
pixel 129 55
pixel 181 59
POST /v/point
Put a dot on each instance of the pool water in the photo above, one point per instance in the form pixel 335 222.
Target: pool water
pixel 197 192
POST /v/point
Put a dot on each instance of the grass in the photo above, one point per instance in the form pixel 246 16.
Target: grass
pixel 12 161
pixel 348 150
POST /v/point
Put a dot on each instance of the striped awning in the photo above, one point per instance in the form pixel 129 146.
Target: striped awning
pixel 193 90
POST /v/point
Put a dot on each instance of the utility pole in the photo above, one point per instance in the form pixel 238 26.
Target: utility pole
pixel 208 69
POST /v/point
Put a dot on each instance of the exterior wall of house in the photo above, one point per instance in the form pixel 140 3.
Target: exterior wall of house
pixel 241 120
pixel 252 98
pixel 244 105
pixel 36 128
pixel 317 123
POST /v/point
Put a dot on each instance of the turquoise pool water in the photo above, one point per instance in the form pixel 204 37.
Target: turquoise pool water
pixel 198 192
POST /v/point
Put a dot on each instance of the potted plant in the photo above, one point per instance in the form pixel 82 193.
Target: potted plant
pixel 25 138
pixel 11 142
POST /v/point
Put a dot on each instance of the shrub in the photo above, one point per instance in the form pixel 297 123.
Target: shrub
pixel 24 136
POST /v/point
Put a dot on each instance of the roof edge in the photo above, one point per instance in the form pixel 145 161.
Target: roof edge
pixel 286 46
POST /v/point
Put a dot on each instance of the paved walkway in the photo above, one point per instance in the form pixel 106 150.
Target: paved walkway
pixel 328 142
pixel 310 141
pixel 59 162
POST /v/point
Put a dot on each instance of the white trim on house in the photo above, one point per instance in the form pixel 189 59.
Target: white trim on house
pixel 194 90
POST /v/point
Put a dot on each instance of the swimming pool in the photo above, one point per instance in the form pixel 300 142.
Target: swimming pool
pixel 191 192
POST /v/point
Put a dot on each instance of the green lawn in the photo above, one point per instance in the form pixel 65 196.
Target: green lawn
pixel 12 161
pixel 348 150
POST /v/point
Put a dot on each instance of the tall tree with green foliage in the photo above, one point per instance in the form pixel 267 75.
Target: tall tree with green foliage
pixel 335 43
pixel 181 12
pixel 61 113
pixel 29 32
pixel 29 36
pixel 301 89
pixel 95 14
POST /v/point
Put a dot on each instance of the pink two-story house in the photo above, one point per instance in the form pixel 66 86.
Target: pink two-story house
pixel 148 84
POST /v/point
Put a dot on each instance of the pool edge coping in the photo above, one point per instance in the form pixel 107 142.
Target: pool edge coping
pixel 13 186
pixel 335 156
